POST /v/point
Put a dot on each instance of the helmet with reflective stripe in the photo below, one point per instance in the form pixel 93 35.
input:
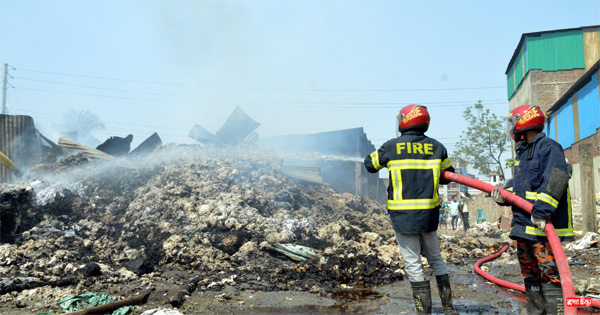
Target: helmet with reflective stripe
pixel 413 117
pixel 523 118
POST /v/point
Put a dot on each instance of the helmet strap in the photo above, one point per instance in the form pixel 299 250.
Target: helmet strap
pixel 520 137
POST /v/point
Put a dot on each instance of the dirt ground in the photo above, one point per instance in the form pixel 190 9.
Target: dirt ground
pixel 126 228
pixel 472 293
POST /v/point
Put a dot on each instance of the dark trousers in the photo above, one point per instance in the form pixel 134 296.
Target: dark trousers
pixel 465 218
pixel 454 221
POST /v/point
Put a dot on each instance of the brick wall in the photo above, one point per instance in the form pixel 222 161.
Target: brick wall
pixel 492 211
pixel 548 86
pixel 572 153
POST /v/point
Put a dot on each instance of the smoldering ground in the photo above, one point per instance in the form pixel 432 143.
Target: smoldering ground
pixel 188 211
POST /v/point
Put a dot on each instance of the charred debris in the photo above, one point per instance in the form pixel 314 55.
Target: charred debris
pixel 229 211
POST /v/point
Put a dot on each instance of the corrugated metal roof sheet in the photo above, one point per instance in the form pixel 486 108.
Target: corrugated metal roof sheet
pixel 200 134
pixel 338 154
pixel 18 140
pixel 149 145
pixel 305 173
pixel 346 142
pixel 252 138
pixel 525 35
pixel 237 127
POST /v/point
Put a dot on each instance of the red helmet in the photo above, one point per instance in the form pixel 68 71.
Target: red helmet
pixel 413 117
pixel 523 118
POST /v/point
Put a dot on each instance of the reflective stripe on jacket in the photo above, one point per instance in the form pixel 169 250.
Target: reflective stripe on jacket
pixel 414 162
pixel 534 163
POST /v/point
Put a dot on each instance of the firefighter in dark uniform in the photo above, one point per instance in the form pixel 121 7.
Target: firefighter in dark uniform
pixel 540 177
pixel 415 162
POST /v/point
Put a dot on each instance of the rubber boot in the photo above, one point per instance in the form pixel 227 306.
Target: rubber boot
pixel 422 295
pixel 536 304
pixel 443 283
pixel 554 298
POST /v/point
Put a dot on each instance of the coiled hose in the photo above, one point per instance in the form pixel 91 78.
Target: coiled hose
pixel 559 254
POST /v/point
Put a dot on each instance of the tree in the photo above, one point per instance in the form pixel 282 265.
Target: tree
pixel 84 123
pixel 484 141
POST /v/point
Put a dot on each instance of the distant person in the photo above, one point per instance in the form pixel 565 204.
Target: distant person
pixel 541 177
pixel 460 211
pixel 463 210
pixel 454 212
pixel 415 162
pixel 443 215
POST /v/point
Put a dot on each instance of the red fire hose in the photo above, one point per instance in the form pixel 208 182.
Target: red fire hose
pixel 559 253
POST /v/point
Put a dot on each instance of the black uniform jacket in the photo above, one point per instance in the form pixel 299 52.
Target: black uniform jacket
pixel 414 161
pixel 541 177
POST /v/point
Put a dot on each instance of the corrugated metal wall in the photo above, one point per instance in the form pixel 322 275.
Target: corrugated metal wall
pixel 16 135
pixel 519 64
pixel 566 131
pixel 511 81
pixel 550 131
pixel 343 175
pixel 589 111
pixel 561 50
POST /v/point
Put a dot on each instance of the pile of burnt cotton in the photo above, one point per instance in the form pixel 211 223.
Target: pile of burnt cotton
pixel 221 214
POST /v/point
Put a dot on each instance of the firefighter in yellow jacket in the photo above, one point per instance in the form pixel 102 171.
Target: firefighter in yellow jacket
pixel 415 162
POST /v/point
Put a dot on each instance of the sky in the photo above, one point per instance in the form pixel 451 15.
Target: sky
pixel 294 66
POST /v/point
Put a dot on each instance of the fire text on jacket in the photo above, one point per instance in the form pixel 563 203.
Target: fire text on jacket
pixel 414 148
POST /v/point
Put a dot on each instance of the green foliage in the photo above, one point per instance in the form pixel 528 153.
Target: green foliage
pixel 484 141
pixel 510 162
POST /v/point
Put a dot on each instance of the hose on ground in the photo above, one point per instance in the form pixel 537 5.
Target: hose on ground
pixel 559 254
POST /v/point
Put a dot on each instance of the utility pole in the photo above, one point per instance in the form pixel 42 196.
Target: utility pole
pixel 588 195
pixel 3 108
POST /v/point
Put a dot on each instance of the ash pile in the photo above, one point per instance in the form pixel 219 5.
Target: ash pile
pixel 228 215
pixel 207 216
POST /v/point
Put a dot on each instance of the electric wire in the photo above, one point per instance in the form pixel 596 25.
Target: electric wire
pixel 247 102
pixel 344 105
pixel 261 88
pixel 106 121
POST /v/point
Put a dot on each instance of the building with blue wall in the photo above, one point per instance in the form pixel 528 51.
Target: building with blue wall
pixel 558 71
pixel 575 119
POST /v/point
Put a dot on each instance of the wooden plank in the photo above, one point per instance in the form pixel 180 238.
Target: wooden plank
pixel 71 145
pixel 8 164
pixel 591 51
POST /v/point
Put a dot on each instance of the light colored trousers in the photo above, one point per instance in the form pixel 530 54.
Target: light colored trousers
pixel 411 248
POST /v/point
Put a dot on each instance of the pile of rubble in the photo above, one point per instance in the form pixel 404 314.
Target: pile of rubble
pixel 223 215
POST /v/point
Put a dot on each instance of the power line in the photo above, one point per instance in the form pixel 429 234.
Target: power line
pixel 96 95
pixel 273 89
pixel 187 96
pixel 346 105
pixel 96 87
pixel 109 122
pixel 148 126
